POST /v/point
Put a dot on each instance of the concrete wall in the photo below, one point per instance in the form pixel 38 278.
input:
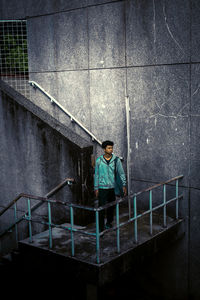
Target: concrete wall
pixel 35 158
pixel 77 57
pixel 90 55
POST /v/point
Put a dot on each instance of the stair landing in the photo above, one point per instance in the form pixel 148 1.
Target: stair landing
pixel 112 264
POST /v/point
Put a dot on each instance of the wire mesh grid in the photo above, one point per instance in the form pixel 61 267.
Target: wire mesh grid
pixel 14 55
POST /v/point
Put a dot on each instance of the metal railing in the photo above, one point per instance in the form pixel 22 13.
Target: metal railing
pixel 97 234
pixel 136 216
pixel 73 119
pixel 66 181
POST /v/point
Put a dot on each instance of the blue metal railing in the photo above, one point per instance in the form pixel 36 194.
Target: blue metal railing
pixel 97 234
pixel 67 181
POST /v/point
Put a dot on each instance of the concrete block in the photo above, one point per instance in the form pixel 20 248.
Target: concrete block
pixel 58 42
pixel 195 90
pixel 47 81
pixel 42 7
pixel 195 29
pixel 41 43
pixel 160 154
pixel 195 122
pixel 157 32
pixel 13 10
pixel 195 159
pixel 39 158
pixel 71 40
pixel 160 122
pixel 22 8
pixel 108 115
pixel 62 5
pixel 106 35
pixel 73 94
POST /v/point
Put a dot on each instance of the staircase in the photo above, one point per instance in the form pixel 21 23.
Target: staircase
pixel 80 253
pixel 96 258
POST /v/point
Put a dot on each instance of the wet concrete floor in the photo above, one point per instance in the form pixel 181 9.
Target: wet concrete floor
pixel 85 245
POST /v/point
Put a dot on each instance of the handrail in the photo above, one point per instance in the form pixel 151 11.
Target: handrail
pixel 96 233
pixel 53 100
pixel 68 181
pixel 49 194
pixel 140 192
pixel 45 198
pixel 159 184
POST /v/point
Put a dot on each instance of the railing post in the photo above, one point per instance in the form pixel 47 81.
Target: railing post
pixel 16 227
pixel 118 230
pixel 72 225
pixel 29 220
pixel 151 214
pixel 97 237
pixel 135 216
pixel 164 207
pixel 177 199
pixel 50 227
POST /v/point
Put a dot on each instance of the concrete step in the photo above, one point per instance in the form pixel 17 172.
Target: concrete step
pixel 113 264
pixel 36 263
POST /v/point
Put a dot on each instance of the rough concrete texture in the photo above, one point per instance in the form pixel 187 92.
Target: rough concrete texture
pixel 143 49
pixel 73 88
pixel 78 275
pixel 195 116
pixel 158 32
pixel 69 96
pixel 106 36
pixel 107 99
pixel 160 125
pixel 34 150
pixel 71 40
pixel 42 45
pixel 85 245
pixel 35 158
pixel 195 25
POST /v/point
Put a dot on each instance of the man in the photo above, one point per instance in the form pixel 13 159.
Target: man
pixel 107 168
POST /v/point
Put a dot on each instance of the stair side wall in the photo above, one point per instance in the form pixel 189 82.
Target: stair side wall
pixel 34 159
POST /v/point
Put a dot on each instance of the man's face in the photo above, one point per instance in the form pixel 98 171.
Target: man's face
pixel 108 150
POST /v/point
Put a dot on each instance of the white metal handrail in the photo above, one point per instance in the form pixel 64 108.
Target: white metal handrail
pixel 73 119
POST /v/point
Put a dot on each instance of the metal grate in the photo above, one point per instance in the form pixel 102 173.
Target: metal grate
pixel 14 55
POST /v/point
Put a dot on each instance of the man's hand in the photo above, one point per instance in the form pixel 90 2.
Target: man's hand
pixel 125 191
pixel 96 193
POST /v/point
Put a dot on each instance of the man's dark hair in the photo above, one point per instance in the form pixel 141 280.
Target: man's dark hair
pixel 107 143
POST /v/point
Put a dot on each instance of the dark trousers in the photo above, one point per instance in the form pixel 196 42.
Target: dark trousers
pixel 106 196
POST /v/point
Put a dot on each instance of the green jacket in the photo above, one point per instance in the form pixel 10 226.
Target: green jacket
pixel 105 177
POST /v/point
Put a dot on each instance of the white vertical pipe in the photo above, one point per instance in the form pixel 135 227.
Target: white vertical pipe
pixel 128 150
